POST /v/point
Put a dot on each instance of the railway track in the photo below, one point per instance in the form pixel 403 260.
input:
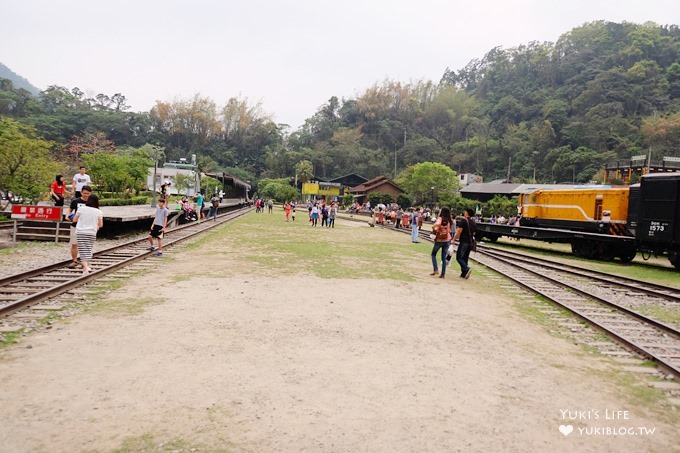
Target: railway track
pixel 27 289
pixel 610 303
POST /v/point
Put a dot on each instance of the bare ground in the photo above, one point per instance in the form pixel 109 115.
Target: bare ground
pixel 263 361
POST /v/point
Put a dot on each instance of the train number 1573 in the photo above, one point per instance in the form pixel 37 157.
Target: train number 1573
pixel 656 227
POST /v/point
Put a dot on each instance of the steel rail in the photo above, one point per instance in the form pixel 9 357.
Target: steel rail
pixel 671 294
pixel 623 311
pixel 188 230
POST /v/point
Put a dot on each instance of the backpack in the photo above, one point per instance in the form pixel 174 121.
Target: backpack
pixel 442 234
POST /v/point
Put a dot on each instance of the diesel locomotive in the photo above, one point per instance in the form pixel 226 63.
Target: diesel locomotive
pixel 603 222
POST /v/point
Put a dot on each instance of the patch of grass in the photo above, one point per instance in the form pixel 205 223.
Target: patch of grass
pixel 52 316
pixel 668 315
pixel 271 243
pixel 129 306
pixel 148 443
pixel 27 247
pixel 533 311
pixel 10 338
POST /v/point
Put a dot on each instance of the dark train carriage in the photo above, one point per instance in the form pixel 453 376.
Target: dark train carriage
pixel 657 226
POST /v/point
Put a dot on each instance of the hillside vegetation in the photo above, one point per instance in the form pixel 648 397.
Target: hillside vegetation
pixel 545 111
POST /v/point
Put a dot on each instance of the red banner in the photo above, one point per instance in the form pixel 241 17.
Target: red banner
pixel 52 213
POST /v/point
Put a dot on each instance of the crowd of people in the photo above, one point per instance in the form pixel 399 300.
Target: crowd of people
pixel 87 219
pixel 452 236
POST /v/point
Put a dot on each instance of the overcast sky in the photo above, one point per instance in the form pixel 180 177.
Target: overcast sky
pixel 291 56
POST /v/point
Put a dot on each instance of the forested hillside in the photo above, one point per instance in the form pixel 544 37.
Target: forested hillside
pixel 17 80
pixel 545 111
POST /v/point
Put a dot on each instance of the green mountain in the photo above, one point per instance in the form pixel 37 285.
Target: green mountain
pixel 17 80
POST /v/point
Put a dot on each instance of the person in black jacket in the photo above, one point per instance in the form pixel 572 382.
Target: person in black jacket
pixel 465 232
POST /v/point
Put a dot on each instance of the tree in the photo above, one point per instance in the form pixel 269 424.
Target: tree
pixel 87 143
pixel 26 166
pixel 121 173
pixel 662 134
pixel 278 189
pixel 304 170
pixel 429 181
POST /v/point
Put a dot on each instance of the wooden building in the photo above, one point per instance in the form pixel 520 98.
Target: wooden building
pixel 379 184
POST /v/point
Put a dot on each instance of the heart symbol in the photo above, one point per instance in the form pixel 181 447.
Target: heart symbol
pixel 566 429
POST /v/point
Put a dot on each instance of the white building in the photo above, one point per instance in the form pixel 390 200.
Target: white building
pixel 170 172
pixel 469 178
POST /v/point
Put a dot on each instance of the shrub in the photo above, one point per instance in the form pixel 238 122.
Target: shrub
pixel 124 201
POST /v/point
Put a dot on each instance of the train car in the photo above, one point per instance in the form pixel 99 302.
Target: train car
pixel 601 210
pixel 598 210
pixel 602 222
pixel 655 215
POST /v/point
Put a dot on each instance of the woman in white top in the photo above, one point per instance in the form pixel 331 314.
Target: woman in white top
pixel 89 219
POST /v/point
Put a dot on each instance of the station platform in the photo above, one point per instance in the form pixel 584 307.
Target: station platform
pixel 141 212
pixel 118 220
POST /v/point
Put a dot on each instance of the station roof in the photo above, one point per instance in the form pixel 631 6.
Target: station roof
pixel 486 191
pixel 228 179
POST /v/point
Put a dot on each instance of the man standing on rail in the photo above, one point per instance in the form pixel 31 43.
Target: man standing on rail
pixel 464 235
pixel 85 192
pixel 158 225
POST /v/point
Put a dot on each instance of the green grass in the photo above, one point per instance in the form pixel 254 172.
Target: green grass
pixel 148 443
pixel 10 338
pixel 344 251
pixel 669 315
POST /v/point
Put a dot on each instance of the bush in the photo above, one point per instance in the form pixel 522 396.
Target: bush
pixel 377 198
pixel 404 201
pixel 500 205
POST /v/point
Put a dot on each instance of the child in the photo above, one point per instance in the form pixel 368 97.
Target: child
pixel 158 227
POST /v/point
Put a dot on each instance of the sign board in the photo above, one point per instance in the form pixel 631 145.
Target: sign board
pixel 671 159
pixel 48 213
pixel 640 157
pixel 310 188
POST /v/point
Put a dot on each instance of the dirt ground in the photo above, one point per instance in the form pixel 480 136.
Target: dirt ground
pixel 262 361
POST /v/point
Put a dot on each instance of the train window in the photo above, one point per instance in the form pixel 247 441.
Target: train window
pixel 598 209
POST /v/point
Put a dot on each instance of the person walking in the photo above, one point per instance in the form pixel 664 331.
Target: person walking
pixel 57 190
pixel 397 221
pixel 465 235
pixel 332 214
pixel 324 216
pixel 80 180
pixel 214 206
pixel 89 219
pixel 158 225
pixel 199 205
pixel 314 213
pixel 442 230
pixel 415 217
pixel 76 203
pixel 287 210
